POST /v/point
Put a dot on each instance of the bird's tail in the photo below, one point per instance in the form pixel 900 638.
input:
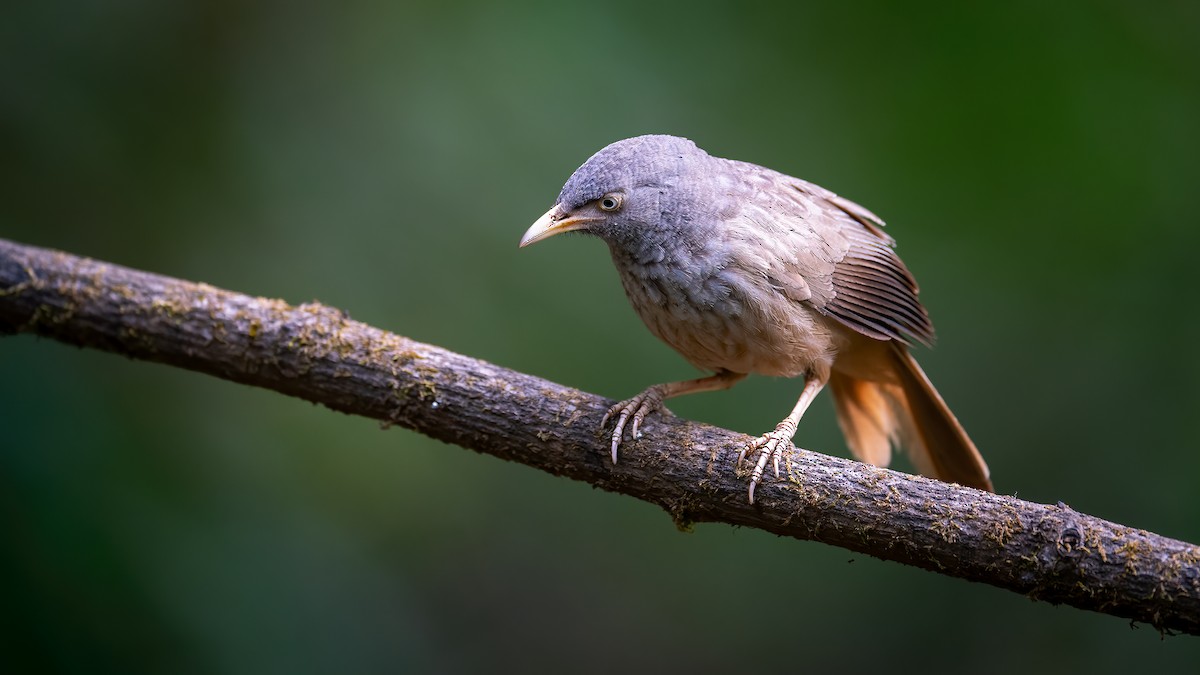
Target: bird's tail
pixel 902 408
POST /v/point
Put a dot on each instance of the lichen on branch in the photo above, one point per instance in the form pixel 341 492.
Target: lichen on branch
pixel 315 352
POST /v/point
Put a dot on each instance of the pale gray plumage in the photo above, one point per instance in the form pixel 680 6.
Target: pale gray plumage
pixel 742 269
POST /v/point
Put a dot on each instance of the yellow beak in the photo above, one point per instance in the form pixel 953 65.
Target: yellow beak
pixel 555 221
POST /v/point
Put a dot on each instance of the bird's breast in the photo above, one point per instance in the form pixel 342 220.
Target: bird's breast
pixel 719 315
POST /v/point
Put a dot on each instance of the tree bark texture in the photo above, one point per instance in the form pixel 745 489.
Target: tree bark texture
pixel 315 352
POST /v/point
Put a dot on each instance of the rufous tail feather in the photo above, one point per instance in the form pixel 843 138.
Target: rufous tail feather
pixel 907 411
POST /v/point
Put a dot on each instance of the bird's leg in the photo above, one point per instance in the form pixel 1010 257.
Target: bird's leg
pixel 652 399
pixel 771 444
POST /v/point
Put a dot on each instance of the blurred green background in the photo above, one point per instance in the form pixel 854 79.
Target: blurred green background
pixel 1038 163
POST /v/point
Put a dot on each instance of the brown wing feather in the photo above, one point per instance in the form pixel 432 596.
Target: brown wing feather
pixel 873 292
pixel 830 253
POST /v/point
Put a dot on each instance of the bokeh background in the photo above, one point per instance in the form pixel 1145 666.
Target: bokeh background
pixel 1038 162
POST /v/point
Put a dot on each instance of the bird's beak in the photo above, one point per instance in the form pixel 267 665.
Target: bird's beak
pixel 555 221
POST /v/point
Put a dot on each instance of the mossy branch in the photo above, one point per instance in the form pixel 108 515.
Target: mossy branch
pixel 315 352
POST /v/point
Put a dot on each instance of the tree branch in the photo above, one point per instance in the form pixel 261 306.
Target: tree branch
pixel 315 352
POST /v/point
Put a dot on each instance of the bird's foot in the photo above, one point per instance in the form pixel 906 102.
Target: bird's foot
pixel 636 408
pixel 770 447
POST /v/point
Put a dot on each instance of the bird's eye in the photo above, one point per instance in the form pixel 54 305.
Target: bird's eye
pixel 610 202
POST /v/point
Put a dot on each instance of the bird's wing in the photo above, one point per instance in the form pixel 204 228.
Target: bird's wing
pixel 832 254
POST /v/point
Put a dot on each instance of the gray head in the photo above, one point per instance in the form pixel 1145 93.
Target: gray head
pixel 632 186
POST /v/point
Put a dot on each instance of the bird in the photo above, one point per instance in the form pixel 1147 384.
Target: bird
pixel 742 269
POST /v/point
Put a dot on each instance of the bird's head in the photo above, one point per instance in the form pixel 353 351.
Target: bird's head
pixel 625 189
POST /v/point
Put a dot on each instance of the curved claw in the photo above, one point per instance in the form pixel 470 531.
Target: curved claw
pixel 637 407
pixel 770 446
pixel 608 415
pixel 772 451
pixel 617 433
